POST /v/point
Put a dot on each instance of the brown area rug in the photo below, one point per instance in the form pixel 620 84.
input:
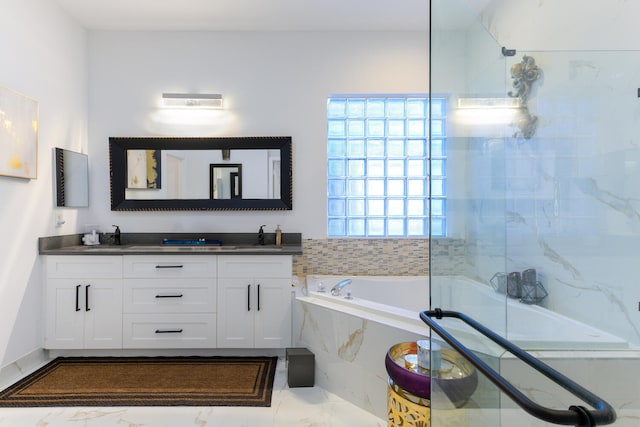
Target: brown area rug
pixel 146 381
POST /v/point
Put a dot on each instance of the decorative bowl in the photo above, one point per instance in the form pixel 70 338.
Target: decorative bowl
pixel 457 379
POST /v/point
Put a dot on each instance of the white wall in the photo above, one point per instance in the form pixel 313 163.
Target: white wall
pixel 275 83
pixel 43 55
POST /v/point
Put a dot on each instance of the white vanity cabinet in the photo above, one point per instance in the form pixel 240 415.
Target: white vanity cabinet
pixel 83 302
pixel 169 301
pixel 254 301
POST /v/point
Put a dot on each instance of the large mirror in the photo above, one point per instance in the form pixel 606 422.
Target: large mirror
pixel 72 178
pixel 240 173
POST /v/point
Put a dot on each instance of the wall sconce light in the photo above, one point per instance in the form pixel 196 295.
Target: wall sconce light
pixel 193 100
pixel 226 154
pixel 488 103
pixel 512 110
pixel 492 111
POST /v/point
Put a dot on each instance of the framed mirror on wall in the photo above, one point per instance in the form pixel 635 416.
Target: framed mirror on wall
pixel 72 178
pixel 208 173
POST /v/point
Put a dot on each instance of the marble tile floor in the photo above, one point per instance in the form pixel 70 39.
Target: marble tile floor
pixel 299 407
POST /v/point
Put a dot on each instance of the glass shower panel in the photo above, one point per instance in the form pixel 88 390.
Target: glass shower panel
pixel 572 192
pixel 468 69
pixel 547 214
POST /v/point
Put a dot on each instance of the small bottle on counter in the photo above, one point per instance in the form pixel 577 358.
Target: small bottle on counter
pixel 278 236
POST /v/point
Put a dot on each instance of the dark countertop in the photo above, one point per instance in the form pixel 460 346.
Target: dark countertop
pixel 151 244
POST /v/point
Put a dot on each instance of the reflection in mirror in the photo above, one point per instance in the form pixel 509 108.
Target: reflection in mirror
pixel 143 169
pixel 200 173
pixel 72 178
pixel 225 181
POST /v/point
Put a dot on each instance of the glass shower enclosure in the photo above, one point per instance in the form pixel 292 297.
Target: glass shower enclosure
pixel 542 211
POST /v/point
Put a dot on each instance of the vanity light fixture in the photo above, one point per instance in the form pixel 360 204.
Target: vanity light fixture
pixel 488 103
pixel 488 111
pixel 193 100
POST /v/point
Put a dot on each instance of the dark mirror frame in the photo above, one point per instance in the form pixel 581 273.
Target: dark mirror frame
pixel 236 186
pixel 118 147
pixel 71 197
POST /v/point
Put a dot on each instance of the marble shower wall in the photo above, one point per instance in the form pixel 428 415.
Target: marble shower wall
pixel 571 193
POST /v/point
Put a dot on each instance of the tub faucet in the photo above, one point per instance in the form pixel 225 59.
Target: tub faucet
pixel 335 291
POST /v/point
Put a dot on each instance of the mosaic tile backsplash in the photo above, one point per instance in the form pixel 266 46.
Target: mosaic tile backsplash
pixel 373 257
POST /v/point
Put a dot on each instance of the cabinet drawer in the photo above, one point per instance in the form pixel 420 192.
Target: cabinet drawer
pixel 152 266
pixel 254 266
pixel 170 295
pixel 84 266
pixel 169 331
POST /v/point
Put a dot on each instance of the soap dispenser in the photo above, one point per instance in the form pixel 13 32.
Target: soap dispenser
pixel 278 236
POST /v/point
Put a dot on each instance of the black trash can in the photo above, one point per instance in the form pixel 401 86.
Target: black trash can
pixel 300 367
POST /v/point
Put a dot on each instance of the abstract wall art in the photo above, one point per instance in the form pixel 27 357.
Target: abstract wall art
pixel 18 135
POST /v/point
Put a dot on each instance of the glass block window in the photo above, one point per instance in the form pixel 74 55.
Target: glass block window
pixel 378 166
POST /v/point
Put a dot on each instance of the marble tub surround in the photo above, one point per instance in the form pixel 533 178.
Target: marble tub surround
pixel 349 353
pixel 135 243
pixel 609 379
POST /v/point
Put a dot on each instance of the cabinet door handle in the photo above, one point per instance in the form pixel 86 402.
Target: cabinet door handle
pixel 248 297
pixel 169 266
pixel 86 298
pixel 77 297
pixel 258 297
pixel 169 296
pixel 168 331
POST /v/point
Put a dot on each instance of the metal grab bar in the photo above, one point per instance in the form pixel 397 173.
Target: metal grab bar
pixel 576 415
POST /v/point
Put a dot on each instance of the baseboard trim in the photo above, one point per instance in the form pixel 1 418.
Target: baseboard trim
pixel 23 366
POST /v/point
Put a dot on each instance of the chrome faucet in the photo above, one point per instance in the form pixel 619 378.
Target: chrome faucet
pixel 335 291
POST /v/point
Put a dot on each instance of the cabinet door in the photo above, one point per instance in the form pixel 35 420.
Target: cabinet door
pixel 83 314
pixel 236 303
pixel 103 314
pixel 273 313
pixel 64 318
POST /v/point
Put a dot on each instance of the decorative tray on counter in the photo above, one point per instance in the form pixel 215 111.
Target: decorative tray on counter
pixel 191 242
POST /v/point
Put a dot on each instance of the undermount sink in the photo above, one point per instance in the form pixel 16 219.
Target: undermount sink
pixel 257 248
pixel 173 248
pixel 177 248
pixel 201 248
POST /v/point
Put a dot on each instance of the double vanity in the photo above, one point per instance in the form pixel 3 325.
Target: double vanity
pixel 143 294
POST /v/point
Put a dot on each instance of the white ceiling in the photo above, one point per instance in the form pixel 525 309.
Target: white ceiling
pixel 250 15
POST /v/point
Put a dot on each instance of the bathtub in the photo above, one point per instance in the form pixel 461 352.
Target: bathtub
pixel 350 338
pixel 397 301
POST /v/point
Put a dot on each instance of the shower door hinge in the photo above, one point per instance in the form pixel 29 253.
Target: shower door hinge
pixel 508 52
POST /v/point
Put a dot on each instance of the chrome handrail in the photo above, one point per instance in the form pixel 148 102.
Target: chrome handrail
pixel 576 415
